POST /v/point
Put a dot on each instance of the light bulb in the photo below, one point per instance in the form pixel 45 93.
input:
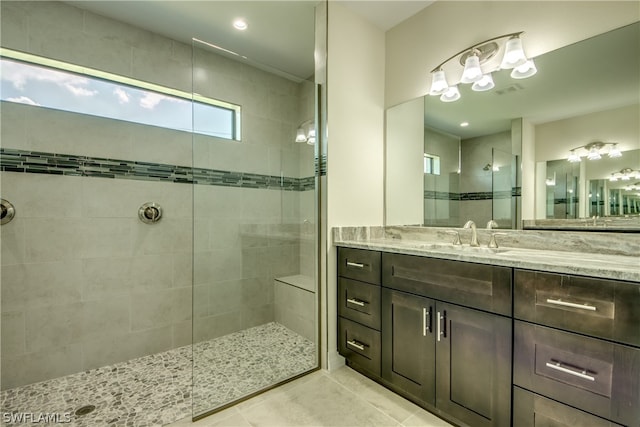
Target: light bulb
pixel 514 54
pixel 439 83
pixel 485 83
pixel 452 94
pixel 594 154
pixel 525 70
pixel 472 71
pixel 614 152
pixel 573 157
pixel 300 135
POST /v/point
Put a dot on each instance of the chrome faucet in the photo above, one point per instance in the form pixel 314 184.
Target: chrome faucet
pixel 474 233
pixel 491 225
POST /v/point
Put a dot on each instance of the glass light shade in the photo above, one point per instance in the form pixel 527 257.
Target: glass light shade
pixel 514 54
pixel 614 152
pixel 573 157
pixel 594 154
pixel 452 94
pixel 439 83
pixel 300 135
pixel 525 70
pixel 472 71
pixel 485 83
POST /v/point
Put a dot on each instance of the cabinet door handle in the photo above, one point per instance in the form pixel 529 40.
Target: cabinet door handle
pixel 356 344
pixel 356 302
pixel 558 366
pixel 571 304
pixel 442 325
pixel 426 321
pixel 355 264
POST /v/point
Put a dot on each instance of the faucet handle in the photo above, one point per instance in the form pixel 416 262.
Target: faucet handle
pixel 492 224
pixel 492 242
pixel 456 239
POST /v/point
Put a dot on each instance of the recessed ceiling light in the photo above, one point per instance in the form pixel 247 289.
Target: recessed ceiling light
pixel 240 24
pixel 464 124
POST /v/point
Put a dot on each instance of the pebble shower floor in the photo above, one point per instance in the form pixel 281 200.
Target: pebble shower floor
pixel 157 389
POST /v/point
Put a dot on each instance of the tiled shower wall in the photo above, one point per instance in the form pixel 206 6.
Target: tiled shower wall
pixel 476 153
pixel 84 282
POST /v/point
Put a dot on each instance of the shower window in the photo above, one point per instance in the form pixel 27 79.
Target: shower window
pixel 431 164
pixel 37 81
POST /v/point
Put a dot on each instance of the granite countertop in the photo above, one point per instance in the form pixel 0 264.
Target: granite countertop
pixel 618 267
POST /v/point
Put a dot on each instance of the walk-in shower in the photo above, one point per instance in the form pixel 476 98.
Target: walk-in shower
pixel 161 261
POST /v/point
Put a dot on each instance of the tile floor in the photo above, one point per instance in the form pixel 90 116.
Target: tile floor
pixel 339 398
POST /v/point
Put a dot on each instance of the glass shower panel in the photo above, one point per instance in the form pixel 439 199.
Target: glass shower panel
pixel 503 184
pixel 254 263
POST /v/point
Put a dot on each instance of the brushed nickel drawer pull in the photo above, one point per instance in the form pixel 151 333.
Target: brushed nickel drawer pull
pixel 571 304
pixel 425 313
pixel 356 302
pixel 558 367
pixel 356 344
pixel 355 264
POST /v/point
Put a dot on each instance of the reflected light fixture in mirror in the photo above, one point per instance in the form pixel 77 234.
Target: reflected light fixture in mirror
pixel 625 174
pixel 306 132
pixel 594 151
pixel 472 59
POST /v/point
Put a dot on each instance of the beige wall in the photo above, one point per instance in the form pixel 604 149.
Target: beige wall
pixel 555 139
pixel 417 45
pixel 355 80
pixel 404 155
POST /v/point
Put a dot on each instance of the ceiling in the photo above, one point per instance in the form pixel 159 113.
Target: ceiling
pixel 279 37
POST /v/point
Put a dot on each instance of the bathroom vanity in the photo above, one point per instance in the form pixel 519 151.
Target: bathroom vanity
pixel 493 337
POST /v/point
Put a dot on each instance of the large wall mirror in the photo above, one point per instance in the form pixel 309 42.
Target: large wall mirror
pixel 440 172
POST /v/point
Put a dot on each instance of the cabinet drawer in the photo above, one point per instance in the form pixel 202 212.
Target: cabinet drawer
pixel 359 264
pixel 597 376
pixel 479 286
pixel 601 308
pixel 533 410
pixel 359 301
pixel 359 344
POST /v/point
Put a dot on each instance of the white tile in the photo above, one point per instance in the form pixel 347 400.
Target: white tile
pixel 13 116
pixel 317 402
pixel 43 196
pixel 41 284
pixel 39 366
pixel 160 68
pixel 13 333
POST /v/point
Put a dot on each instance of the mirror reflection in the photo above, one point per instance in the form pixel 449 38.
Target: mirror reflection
pixel 478 141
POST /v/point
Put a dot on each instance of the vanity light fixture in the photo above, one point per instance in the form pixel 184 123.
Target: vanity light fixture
pixel 625 174
pixel 472 59
pixel 594 151
pixel 306 132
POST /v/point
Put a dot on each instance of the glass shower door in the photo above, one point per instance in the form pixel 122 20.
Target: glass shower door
pixel 502 187
pixel 254 260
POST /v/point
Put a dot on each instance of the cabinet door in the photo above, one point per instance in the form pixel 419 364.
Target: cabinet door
pixel 408 354
pixel 473 370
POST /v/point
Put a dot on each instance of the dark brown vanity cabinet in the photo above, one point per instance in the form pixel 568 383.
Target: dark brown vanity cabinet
pixel 572 339
pixel 359 308
pixel 453 359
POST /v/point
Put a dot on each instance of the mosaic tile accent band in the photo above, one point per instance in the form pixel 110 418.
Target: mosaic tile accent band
pixel 482 195
pixel 73 165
